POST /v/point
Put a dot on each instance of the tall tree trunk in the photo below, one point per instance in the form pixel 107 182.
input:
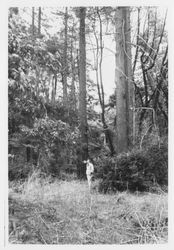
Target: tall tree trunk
pixel 33 16
pixel 82 94
pixel 100 70
pixel 72 100
pixel 124 86
pixel 129 72
pixel 64 73
pixel 39 21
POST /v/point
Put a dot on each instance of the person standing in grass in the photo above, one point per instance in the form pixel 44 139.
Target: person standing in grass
pixel 89 172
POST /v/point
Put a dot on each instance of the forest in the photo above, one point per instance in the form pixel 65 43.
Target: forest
pixel 88 83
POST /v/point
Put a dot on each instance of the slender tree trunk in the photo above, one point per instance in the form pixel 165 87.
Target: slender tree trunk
pixel 137 48
pixel 64 73
pixel 37 88
pixel 55 83
pixel 53 93
pixel 28 151
pixel 100 69
pixel 82 94
pixel 33 17
pixel 73 92
pixel 47 94
pixel 39 21
pixel 124 89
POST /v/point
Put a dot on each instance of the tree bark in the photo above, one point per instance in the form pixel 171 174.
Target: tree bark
pixel 82 95
pixel 129 72
pixel 39 21
pixel 54 88
pixel 72 100
pixel 124 83
pixel 33 16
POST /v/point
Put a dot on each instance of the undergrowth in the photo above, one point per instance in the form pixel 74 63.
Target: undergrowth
pixel 43 211
pixel 142 170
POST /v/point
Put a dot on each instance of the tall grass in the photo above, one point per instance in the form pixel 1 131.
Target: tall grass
pixel 62 212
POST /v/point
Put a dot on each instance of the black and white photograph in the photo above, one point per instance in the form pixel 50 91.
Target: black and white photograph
pixel 87 125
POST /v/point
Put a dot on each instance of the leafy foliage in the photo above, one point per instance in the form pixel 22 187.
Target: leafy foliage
pixel 136 170
pixel 42 134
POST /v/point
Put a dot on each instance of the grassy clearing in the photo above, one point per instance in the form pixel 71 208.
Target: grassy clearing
pixel 64 212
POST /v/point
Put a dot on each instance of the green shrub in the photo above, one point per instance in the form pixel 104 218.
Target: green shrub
pixel 137 170
pixel 158 163
pixel 52 146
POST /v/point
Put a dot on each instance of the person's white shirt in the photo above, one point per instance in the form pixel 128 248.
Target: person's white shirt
pixel 89 168
pixel 89 172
